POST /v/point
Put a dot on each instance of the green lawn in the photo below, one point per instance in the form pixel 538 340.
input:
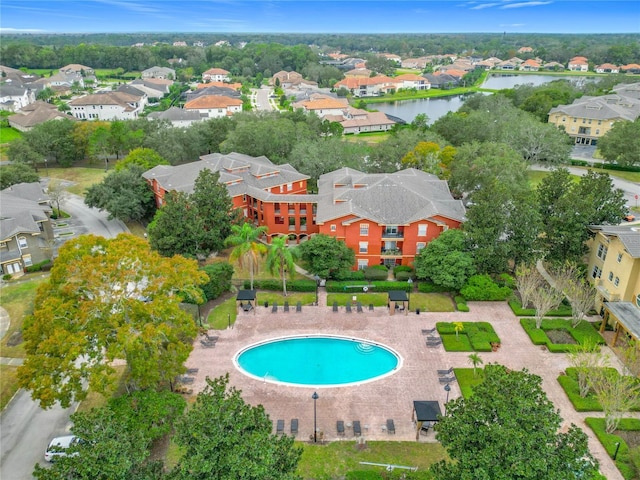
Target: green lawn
pixel 82 177
pixel 8 384
pixel 467 379
pixel 225 313
pixel 569 383
pixel 584 332
pixel 333 460
pixel 9 134
pixel 629 176
pixel 474 336
pixel 628 456
pixel 426 302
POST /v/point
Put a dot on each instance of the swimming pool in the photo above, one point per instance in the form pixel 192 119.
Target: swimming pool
pixel 318 361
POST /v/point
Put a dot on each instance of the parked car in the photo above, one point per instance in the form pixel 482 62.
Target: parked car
pixel 629 216
pixel 58 446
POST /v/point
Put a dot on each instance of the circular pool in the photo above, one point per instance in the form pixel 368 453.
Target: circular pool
pixel 318 361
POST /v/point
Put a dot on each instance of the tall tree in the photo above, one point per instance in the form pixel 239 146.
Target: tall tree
pixel 509 429
pixel 17 173
pixel 326 256
pixel 146 158
pixel 108 299
pixel 280 260
pixel 446 261
pixel 247 248
pixel 223 437
pixel 621 144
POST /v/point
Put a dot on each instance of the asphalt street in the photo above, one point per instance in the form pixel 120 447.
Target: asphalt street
pixel 26 429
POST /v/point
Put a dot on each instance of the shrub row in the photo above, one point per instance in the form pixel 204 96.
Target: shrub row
pixel 610 442
pixel 349 275
pixel 480 334
pixel 606 166
pixel 374 287
pixel 36 267
pixel 376 273
pixel 292 285
pixel 428 287
pixel 584 332
pixel 516 307
pixel 482 287
pixel 461 303
pixel 403 276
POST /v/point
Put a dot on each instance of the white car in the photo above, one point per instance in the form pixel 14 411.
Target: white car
pixel 57 447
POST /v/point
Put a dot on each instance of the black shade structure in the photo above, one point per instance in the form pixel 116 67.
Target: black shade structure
pixel 425 411
pixel 398 300
pixel 246 300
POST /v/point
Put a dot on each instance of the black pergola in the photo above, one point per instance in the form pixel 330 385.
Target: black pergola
pixel 425 411
pixel 398 299
pixel 246 299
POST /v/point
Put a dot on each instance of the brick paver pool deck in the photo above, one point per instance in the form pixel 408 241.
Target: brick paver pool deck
pixel 392 397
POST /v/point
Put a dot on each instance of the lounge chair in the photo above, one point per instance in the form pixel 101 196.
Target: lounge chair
pixel 340 427
pixel 371 306
pixel 359 307
pixel 429 331
pixel 185 380
pixel 447 379
pixel 247 307
pixel 357 430
pixel 211 338
pixel 335 306
pixel 280 426
pixel 207 343
pixel 433 342
pixel 348 307
pixel 192 371
pixel 445 372
pixel 391 427
pixel 286 306
pixel 299 307
pixel 274 308
pixel 294 426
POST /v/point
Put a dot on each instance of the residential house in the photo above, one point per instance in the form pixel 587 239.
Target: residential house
pixel 233 86
pixel 106 106
pixel 79 69
pixel 614 269
pixel 323 105
pixel 452 73
pixel 35 114
pixel 607 68
pixel 408 81
pixel 386 218
pixel 358 73
pixel 153 87
pixel 367 87
pixel 180 43
pixel 589 118
pixel 633 68
pixel 525 50
pixel 178 117
pixel 211 89
pixel 391 56
pixel 291 80
pixel 507 65
pixel 443 81
pixel 215 75
pixel 214 106
pixel 553 66
pixel 530 66
pixel 14 96
pixel 138 93
pixel 64 80
pixel 164 73
pixel 578 64
pixel 26 234
pixel 418 63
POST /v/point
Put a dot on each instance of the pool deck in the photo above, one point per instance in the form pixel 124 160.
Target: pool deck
pixel 392 397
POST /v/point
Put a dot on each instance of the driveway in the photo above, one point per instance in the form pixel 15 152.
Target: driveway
pixel 26 429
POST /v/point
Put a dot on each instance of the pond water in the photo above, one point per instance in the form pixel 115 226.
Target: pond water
pixel 499 81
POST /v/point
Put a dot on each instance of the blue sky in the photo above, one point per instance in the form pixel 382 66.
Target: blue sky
pixel 360 16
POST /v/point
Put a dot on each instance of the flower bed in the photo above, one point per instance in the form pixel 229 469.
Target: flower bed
pixel 583 333
pixel 474 337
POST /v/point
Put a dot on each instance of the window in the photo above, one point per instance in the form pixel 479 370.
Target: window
pixel 616 282
pixel 611 276
pixel 638 300
pixel 333 228
pixel 422 230
pixel 27 260
pixel 619 257
pixel 597 131
pixel 289 187
pixel 364 247
pixel 22 242
pixel 564 119
pixel 596 272
pixel 364 229
pixel 602 252
pixel 420 246
pixel 362 264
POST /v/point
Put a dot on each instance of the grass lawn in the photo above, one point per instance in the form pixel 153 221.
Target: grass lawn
pixel 8 384
pixel 96 400
pixel 629 176
pixel 369 138
pixel 474 336
pixel 333 460
pixel 82 177
pixel 583 332
pixel 17 299
pixel 426 302
pixel 467 379
pixel 220 316
pixel 9 134
pixel 260 273
pixel 569 383
pixel 628 457
pixel 305 298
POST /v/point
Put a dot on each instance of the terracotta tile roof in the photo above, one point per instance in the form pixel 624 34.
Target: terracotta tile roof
pixel 235 86
pixel 216 71
pixel 108 98
pixel 607 66
pixel 631 66
pixel 75 67
pixel 530 63
pixel 359 72
pixel 410 77
pixel 322 104
pixel 212 101
pixel 355 82
pixel 578 59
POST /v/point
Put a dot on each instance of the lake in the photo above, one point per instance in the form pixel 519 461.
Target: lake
pixel 435 108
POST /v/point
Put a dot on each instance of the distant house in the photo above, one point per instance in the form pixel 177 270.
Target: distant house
pixel 507 65
pixel 530 66
pixel 107 106
pixel 153 87
pixel 290 80
pixel 35 114
pixel 391 56
pixel 164 73
pixel 607 68
pixel 367 87
pixel 233 86
pixel 26 234
pixel 631 68
pixel 77 68
pixel 553 66
pixel 525 50
pixel 211 89
pixel 178 117
pixel 323 105
pixel 578 64
pixel 443 81
pixel 418 63
pixel 358 73
pixel 180 43
pixel 409 81
pixel 14 96
pixel 215 75
pixel 214 106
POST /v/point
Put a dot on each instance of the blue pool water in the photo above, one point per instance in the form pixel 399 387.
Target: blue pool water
pixel 318 361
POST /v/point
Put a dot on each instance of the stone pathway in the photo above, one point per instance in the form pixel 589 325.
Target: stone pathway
pixel 391 397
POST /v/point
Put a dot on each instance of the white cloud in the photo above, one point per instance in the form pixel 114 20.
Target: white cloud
pixel 20 30
pixel 484 5
pixel 524 4
pixel 133 6
pixel 512 25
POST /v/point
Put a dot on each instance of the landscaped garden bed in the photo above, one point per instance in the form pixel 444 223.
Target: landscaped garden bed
pixel 626 440
pixel 472 337
pixel 569 383
pixel 562 311
pixel 583 333
pixel 467 379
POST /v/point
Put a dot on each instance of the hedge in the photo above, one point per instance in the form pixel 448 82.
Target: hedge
pixel 461 303
pixel 403 276
pixel 609 441
pixel 36 267
pixel 376 273
pixel 584 332
pixel 483 288
pixel 292 285
pixel 402 268
pixel 516 307
pixel 605 166
pixel 428 287
pixel 349 275
pixel 480 336
pixel 375 287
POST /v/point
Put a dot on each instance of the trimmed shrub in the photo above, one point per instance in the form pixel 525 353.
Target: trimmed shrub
pixel 609 441
pixel 584 332
pixel 219 274
pixel 376 273
pixel 506 280
pixel 428 287
pixel 516 307
pixel 36 267
pixel 349 275
pixel 483 288
pixel 403 276
pixel 402 268
pixel 461 303
pixel 373 287
pixel 479 336
pixel 292 285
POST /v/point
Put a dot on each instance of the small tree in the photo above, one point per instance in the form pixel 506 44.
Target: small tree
pixel 458 327
pixel 57 192
pixel 476 361
pixel 281 259
pixel 582 296
pixel 616 393
pixel 528 280
pixel 247 248
pixel 545 299
pixel 584 358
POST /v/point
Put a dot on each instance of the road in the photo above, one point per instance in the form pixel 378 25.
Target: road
pixel 260 99
pixel 26 429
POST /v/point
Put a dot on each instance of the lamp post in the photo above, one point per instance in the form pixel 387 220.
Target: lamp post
pixel 615 455
pixel 410 282
pixel 447 388
pixel 317 279
pixel 315 397
pixel 229 320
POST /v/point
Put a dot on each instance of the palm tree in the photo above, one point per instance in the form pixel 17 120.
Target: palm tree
pixel 475 360
pixel 280 259
pixel 458 327
pixel 247 248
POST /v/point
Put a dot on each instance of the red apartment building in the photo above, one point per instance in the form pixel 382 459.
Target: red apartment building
pixel 385 218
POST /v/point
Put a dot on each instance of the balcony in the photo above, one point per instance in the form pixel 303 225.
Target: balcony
pixel 391 252
pixel 606 294
pixel 392 234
